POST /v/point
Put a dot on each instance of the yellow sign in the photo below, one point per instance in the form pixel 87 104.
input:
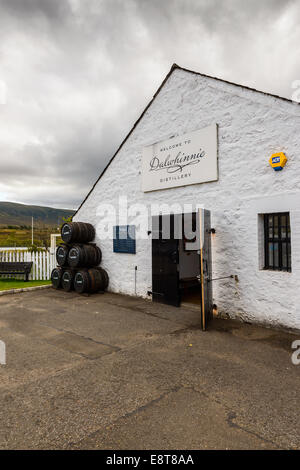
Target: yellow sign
pixel 278 161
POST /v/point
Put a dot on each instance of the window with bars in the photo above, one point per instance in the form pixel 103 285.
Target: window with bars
pixel 277 241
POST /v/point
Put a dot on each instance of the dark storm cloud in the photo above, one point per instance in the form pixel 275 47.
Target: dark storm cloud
pixel 52 9
pixel 79 72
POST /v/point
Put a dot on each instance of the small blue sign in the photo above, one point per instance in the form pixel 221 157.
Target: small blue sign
pixel 124 239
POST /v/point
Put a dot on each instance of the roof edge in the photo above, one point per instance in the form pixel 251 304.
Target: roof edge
pixel 174 66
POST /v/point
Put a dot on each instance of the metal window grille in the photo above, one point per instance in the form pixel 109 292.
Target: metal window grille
pixel 277 241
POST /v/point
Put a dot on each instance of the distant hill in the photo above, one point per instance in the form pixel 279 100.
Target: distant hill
pixel 12 213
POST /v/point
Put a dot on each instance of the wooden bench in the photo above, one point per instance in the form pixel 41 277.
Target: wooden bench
pixel 15 268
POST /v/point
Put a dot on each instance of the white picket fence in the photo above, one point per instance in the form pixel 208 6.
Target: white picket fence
pixel 43 261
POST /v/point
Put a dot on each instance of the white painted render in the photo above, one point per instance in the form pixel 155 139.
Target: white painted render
pixel 251 127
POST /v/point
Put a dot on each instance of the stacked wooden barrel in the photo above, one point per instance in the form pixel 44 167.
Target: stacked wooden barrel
pixel 78 261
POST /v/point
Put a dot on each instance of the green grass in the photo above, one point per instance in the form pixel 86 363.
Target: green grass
pixel 22 237
pixel 6 284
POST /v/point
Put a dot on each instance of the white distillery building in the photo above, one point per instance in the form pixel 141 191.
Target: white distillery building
pixel 206 143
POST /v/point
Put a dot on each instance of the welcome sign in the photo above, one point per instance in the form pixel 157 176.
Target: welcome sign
pixel 181 161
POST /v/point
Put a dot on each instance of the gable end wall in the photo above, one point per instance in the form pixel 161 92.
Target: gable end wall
pixel 251 126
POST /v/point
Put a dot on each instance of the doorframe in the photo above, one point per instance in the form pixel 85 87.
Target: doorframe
pixel 204 256
pixel 201 240
pixel 174 215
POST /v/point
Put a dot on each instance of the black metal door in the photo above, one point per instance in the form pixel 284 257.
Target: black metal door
pixel 206 268
pixel 165 258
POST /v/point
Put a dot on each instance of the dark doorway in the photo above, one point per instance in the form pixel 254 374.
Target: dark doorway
pixel 189 261
pixel 165 277
pixel 181 261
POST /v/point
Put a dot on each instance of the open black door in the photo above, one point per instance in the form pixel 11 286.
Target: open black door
pixel 205 268
pixel 165 258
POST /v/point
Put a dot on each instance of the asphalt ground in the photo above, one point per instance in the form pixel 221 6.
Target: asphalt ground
pixel 116 372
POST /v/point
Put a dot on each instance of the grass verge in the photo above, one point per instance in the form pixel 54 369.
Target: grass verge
pixel 7 284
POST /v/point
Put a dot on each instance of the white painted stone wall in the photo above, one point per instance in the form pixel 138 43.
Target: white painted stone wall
pixel 252 126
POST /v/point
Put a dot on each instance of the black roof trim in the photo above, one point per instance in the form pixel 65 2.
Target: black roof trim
pixel 174 67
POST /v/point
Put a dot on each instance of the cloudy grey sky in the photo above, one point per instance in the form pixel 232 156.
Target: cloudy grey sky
pixel 78 73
